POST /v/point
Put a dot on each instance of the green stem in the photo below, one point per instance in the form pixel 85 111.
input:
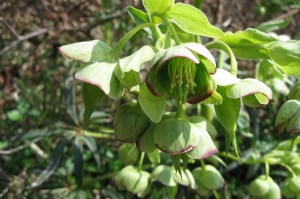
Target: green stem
pixel 172 29
pixel 99 178
pixel 267 168
pixel 121 43
pixel 216 194
pixel 141 161
pixel 202 164
pixel 225 48
pixel 156 32
pixel 180 110
pixel 289 169
pixel 96 135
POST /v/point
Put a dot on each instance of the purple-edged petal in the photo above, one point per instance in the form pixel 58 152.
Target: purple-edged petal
pixel 205 146
pixel 206 57
pixel 158 82
pixel 175 136
pixel 204 85
pixel 247 87
pixel 177 51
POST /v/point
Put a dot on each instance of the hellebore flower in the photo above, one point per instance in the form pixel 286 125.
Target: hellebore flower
pixel 183 72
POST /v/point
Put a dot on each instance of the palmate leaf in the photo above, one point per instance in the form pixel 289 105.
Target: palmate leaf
pixel 192 20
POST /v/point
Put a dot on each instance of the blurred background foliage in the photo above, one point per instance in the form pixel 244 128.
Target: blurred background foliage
pixel 43 150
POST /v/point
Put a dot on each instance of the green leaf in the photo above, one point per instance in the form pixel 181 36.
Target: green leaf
pixel 247 87
pixel 286 55
pixel 192 20
pixel 273 25
pixel 163 174
pixel 14 115
pixel 286 112
pixel 295 92
pixel 101 74
pixel 227 114
pixel 137 15
pixel 154 107
pixel 248 44
pixel 87 51
pixel 157 7
pixel 266 70
pixel 91 95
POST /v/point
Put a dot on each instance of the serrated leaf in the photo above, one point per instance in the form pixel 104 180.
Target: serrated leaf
pixel 193 21
pixel 154 107
pixel 248 44
pixel 286 55
pixel 87 51
pixel 101 74
pixel 91 95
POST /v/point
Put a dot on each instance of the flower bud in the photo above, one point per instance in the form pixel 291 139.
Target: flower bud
pixel 208 177
pixel 259 187
pixel 175 136
pixel 134 181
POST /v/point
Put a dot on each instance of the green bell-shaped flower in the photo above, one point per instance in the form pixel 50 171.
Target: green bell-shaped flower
pixel 130 122
pixel 133 181
pixel 175 136
pixel 183 72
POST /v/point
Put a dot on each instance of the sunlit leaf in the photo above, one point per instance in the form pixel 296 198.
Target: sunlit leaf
pixel 159 7
pixel 286 55
pixel 248 44
pixel 192 20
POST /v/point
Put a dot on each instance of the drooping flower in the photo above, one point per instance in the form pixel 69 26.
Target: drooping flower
pixel 183 72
